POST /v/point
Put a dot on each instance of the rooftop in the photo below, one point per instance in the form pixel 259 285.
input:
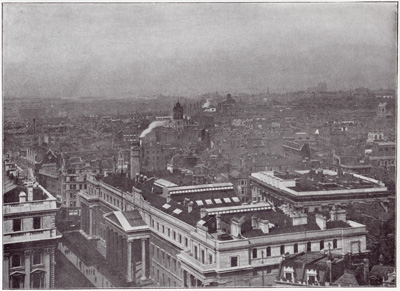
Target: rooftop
pixel 279 222
pixel 127 220
pixel 310 182
pixel 12 192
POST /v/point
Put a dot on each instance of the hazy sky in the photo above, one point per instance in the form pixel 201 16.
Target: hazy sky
pixel 124 50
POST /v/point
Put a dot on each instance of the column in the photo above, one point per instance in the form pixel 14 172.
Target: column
pixel 83 217
pixel 114 248
pixel 148 258
pixel 107 244
pixel 189 280
pixel 90 221
pixel 129 276
pixel 143 259
pixel 120 251
pixel 111 246
pixel 6 271
pixel 47 262
pixel 27 282
pixel 124 255
pixel 184 281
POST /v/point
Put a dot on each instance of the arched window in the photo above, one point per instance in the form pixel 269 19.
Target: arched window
pixel 296 248
pixel 321 244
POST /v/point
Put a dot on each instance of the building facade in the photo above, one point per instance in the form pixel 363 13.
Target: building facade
pixel 29 236
pixel 315 189
pixel 204 236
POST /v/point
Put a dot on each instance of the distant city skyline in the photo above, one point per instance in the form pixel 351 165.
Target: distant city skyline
pixel 134 49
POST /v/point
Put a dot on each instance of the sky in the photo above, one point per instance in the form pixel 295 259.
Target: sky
pixel 132 49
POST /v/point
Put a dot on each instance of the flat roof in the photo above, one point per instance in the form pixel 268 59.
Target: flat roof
pixel 326 183
pixel 164 183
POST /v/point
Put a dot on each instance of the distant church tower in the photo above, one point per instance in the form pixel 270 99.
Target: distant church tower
pixel 178 111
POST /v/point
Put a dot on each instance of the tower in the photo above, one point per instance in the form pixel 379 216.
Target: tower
pixel 178 111
pixel 135 161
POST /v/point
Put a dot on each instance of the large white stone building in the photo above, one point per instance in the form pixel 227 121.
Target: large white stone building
pixel 29 235
pixel 204 236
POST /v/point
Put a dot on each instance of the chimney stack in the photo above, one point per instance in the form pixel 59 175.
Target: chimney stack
pixel 321 221
pixel 218 221
pixel 190 206
pixel 235 227
pixel 22 197
pixel 264 225
pixel 30 192
pixel 299 218
pixel 338 214
pixel 135 162
pixel 254 222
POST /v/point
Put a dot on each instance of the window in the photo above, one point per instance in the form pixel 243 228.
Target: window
pixel 308 246
pixel 335 243
pixel 254 253
pixel 180 239
pixel 37 222
pixel 234 261
pixel 158 226
pixel 17 224
pixel 202 257
pixel 37 280
pixel 296 248
pixel 311 279
pixel 321 244
pixel 268 251
pixel 169 232
pixel 282 249
pixel 17 281
pixel 16 261
pixel 37 258
pixel 210 259
pixel 195 252
pixel 186 242
pixel 163 229
pixel 174 235
pixel 288 276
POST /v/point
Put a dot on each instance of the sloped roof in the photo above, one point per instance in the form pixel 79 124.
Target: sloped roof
pixel 127 220
pixel 347 279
